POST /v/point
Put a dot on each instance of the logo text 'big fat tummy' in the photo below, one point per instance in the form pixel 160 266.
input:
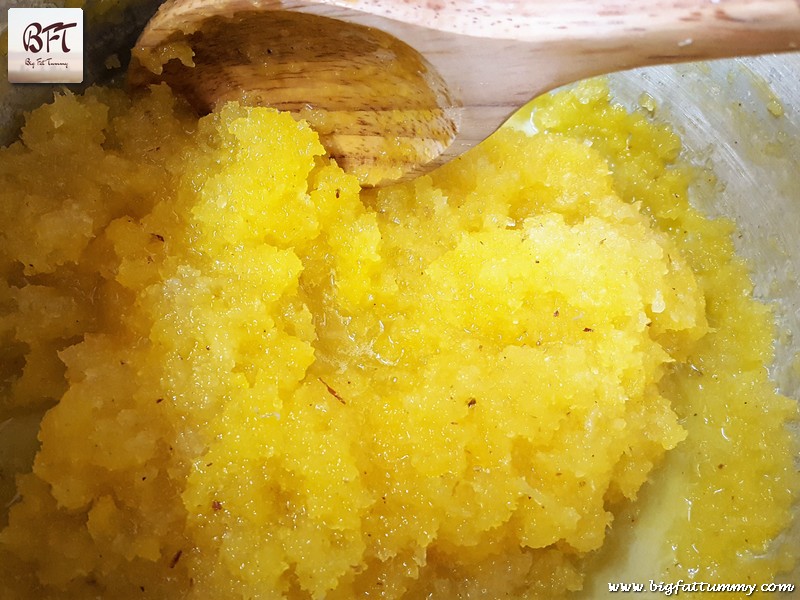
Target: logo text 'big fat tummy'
pixel 45 45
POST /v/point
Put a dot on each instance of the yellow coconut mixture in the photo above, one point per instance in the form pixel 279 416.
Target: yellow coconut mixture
pixel 261 382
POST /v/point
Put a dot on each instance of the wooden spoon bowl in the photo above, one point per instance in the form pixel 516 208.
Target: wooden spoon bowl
pixel 397 88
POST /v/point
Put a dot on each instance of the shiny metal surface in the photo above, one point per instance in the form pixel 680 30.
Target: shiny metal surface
pixel 740 118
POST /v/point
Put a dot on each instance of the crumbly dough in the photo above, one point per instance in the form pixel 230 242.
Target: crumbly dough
pixel 262 382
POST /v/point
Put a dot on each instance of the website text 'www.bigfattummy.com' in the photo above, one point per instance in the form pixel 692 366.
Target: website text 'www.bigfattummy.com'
pixel 675 588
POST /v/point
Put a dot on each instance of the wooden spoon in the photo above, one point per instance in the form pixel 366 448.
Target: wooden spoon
pixel 397 87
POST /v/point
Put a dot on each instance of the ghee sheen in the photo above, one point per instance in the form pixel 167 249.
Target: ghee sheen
pixel 262 382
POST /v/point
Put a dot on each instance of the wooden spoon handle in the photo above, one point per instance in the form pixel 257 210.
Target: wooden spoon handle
pixel 731 24
pixel 571 20
pixel 496 55
pixel 562 40
pixel 529 47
